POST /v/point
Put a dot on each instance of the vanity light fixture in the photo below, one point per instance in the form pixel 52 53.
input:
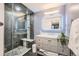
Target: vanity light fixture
pixel 52 12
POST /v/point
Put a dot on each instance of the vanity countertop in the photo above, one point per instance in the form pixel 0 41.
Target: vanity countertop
pixel 47 36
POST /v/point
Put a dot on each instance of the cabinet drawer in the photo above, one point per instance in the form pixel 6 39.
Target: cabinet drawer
pixel 38 41
pixel 39 46
pixel 66 51
pixel 52 42
pixel 53 48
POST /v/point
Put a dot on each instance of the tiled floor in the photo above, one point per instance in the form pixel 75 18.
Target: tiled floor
pixel 29 53
pixel 23 51
pixel 19 51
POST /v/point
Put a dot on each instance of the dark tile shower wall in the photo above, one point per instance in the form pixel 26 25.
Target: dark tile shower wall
pixel 8 32
pixel 32 27
pixel 12 40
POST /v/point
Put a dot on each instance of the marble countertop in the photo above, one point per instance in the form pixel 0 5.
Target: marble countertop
pixel 47 36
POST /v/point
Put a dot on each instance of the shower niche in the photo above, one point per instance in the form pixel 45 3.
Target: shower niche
pixel 18 25
pixel 21 25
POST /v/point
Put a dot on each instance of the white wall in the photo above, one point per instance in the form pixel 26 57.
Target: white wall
pixel 70 15
pixel 37 24
pixel 1 29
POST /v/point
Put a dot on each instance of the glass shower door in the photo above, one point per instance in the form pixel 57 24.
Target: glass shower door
pixel 15 28
pixel 18 25
pixel 8 28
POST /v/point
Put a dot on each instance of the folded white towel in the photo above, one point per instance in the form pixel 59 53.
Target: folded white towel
pixel 34 48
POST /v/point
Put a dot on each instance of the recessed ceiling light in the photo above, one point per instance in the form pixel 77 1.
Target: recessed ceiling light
pixel 18 8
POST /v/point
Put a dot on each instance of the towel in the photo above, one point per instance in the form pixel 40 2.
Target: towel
pixel 34 48
pixel 74 37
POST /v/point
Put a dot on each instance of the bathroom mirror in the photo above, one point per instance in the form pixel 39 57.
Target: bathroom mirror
pixel 52 23
pixel 55 23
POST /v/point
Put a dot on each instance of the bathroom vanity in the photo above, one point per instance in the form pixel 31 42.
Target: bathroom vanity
pixel 50 43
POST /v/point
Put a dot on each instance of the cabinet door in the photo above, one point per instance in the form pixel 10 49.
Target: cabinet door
pixel 45 44
pixel 53 49
pixel 53 42
pixel 60 50
pixel 66 51
pixel 63 50
pixel 53 45
pixel 38 43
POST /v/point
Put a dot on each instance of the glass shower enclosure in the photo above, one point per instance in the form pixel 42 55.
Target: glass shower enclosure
pixel 18 25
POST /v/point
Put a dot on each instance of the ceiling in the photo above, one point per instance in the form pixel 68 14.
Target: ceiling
pixel 36 7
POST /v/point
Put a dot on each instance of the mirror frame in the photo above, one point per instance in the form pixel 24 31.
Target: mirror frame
pixel 54 30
